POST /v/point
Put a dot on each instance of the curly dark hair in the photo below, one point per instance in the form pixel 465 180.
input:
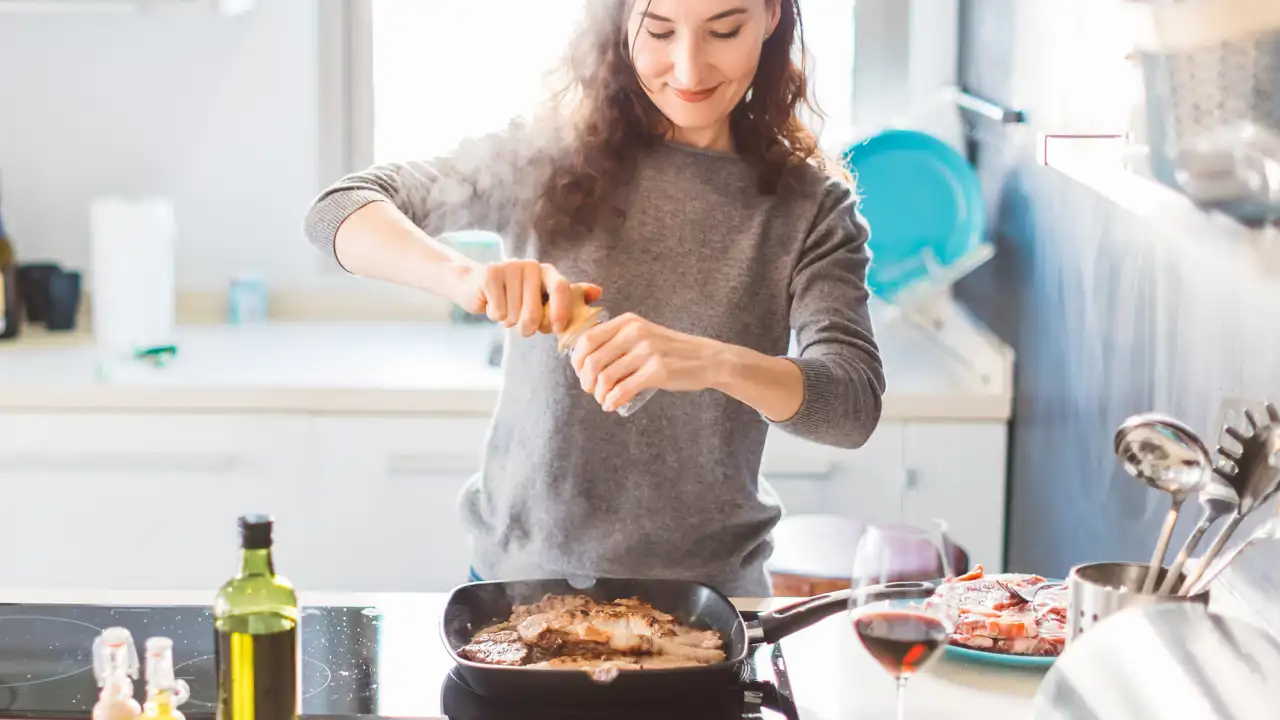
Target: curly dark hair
pixel 612 120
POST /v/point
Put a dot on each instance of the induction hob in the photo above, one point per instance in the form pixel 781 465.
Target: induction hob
pixel 357 661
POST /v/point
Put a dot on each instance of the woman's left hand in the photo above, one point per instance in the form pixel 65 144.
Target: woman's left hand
pixel 620 358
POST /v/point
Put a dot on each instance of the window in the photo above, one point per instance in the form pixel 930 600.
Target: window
pixel 440 71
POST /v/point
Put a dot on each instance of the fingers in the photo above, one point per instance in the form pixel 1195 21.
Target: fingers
pixel 514 278
pixel 597 337
pixel 592 367
pixel 629 387
pixel 617 371
pixel 560 300
pixel 531 293
pixel 495 292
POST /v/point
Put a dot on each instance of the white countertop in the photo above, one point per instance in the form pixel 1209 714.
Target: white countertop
pixel 391 367
pixel 832 675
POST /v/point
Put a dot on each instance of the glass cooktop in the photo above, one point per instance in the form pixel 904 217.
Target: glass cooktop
pixel 370 661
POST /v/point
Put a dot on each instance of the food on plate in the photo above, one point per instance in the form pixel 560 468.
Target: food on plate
pixel 576 632
pixel 992 617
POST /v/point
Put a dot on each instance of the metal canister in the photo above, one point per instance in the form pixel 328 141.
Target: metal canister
pixel 1099 590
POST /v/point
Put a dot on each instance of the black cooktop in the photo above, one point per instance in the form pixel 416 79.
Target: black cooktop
pixel 357 661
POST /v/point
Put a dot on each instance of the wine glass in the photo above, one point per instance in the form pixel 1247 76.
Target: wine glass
pixel 901 609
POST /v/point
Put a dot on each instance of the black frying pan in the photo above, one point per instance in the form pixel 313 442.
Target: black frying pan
pixel 477 605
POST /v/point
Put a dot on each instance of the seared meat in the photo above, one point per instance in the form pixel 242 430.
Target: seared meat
pixel 499 648
pixel 574 631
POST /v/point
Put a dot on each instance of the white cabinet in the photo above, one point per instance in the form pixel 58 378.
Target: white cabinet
pixel 812 478
pixel 368 502
pixel 952 471
pixel 139 500
pixel 956 472
pixel 388 520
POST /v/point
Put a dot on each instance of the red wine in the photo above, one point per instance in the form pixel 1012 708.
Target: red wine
pixel 901 641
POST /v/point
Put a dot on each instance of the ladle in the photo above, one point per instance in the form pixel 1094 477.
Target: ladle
pixel 1166 455
pixel 1218 500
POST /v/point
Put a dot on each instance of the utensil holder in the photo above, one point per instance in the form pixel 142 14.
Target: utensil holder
pixel 1096 591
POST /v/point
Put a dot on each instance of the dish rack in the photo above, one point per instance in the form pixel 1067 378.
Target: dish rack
pixel 1211 72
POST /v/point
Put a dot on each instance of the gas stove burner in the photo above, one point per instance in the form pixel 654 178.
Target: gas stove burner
pixel 46 661
pixel 201 674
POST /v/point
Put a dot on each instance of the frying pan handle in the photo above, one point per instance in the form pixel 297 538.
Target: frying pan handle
pixel 780 623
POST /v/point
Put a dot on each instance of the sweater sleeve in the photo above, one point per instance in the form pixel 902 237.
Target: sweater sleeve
pixel 488 183
pixel 836 348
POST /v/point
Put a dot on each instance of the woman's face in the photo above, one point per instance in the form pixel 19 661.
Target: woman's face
pixel 697 58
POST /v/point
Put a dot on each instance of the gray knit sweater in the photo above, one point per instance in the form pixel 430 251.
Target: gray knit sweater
pixel 567 490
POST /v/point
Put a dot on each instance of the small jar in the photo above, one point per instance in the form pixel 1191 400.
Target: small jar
pixel 584 318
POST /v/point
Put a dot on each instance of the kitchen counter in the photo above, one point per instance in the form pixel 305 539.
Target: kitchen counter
pixel 832 676
pixel 396 367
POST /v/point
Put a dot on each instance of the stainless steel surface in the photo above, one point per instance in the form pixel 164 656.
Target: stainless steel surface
pixel 1165 661
pixel 1252 470
pixel 1269 530
pixel 1097 591
pixel 1218 500
pixel 1167 455
pixel 1029 594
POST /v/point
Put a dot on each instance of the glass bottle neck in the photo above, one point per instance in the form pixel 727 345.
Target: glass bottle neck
pixel 256 562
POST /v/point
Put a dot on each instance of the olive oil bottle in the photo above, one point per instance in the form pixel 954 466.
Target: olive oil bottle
pixel 256 623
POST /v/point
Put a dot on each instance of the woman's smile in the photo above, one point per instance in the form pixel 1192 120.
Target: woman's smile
pixel 694 96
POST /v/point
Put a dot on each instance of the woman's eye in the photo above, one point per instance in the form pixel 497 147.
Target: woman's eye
pixel 727 35
pixel 661 36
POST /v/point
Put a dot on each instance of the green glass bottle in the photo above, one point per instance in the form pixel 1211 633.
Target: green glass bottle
pixel 256 618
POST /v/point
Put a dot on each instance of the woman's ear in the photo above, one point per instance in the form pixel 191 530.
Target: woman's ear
pixel 774 9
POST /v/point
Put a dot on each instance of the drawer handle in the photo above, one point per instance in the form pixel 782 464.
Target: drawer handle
pixel 91 462
pixel 800 472
pixel 419 464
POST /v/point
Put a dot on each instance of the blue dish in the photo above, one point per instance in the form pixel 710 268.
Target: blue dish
pixel 923 202
pixel 991 658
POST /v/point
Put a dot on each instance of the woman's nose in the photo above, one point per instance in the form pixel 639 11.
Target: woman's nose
pixel 687 64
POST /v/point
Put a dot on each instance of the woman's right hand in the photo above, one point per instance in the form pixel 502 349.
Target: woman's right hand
pixel 511 293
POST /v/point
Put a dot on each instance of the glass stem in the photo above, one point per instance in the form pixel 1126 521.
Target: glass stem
pixel 902 697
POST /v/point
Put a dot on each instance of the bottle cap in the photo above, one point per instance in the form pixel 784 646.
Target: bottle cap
pixel 255 532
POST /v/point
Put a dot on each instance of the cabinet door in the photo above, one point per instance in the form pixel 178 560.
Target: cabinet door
pixel 140 500
pixel 390 520
pixel 862 484
pixel 958 474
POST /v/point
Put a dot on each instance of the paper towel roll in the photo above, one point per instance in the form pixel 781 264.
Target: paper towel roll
pixel 132 272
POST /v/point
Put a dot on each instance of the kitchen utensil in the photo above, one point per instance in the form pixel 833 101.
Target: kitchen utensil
pixel 1218 500
pixel 1029 594
pixel 900 171
pixel 1269 530
pixel 1254 475
pixel 1167 661
pixel 477 605
pixel 1095 591
pixel 1168 456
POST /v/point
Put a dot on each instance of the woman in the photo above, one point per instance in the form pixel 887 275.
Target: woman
pixel 676 178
